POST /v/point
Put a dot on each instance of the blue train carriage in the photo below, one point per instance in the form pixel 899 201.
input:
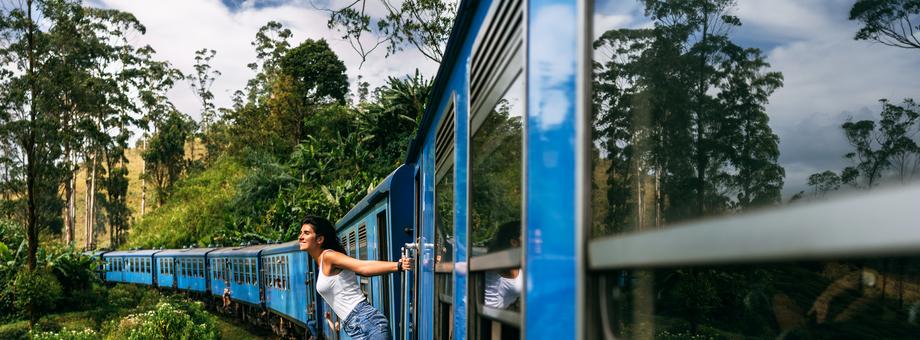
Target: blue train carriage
pixel 375 229
pixel 131 266
pixel 288 280
pixel 183 269
pixel 240 268
pixel 495 162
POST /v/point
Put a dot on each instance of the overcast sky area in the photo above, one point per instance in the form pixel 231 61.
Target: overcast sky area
pixel 829 77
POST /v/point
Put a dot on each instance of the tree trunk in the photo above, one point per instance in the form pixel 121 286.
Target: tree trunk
pixel 701 161
pixel 92 207
pixel 31 169
pixel 68 216
pixel 144 179
pixel 72 199
pixel 86 202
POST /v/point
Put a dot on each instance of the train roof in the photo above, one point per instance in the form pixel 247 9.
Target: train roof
pixel 252 250
pixel 94 253
pixel 185 252
pixel 141 252
pixel 286 247
pixel 465 13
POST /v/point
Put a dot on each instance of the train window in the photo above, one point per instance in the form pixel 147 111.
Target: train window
pixel 496 153
pixel 275 276
pixel 720 133
pixel 270 271
pixel 362 242
pixel 250 271
pixel 364 282
pixel 382 248
pixel 352 244
pixel 267 267
pixel 495 172
pixel 287 272
pixel 444 226
pixel 237 271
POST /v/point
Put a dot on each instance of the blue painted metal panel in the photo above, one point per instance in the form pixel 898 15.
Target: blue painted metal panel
pixel 294 301
pixel 550 261
pixel 164 280
pixel 426 256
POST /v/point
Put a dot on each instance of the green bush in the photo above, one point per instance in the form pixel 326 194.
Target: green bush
pixel 46 325
pixel 75 272
pixel 65 334
pixel 170 320
pixel 131 296
pixel 14 331
pixel 36 288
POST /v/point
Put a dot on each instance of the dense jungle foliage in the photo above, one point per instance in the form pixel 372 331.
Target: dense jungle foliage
pixel 76 87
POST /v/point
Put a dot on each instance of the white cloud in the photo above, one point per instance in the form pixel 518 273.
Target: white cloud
pixel 176 29
pixel 550 59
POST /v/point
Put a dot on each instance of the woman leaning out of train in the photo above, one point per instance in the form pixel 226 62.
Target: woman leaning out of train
pixel 337 283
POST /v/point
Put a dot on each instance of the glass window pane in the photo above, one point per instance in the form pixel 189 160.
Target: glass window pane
pixel 713 108
pixel 847 299
pixel 444 216
pixel 495 173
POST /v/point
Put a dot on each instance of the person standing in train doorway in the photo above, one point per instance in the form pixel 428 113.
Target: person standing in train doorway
pixel 336 281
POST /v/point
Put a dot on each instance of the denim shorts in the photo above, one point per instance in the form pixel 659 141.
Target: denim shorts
pixel 366 322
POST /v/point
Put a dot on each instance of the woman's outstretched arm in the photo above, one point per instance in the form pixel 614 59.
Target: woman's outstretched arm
pixel 365 267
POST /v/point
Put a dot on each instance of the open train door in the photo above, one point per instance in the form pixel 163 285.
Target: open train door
pixel 408 283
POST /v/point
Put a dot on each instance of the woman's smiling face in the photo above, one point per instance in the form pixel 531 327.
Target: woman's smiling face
pixel 308 239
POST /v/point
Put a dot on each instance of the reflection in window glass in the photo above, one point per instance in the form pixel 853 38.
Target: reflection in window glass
pixel 495 172
pixel 718 107
pixel 865 299
pixel 444 219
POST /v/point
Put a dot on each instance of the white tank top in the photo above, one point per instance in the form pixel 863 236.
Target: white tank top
pixel 340 291
pixel 502 292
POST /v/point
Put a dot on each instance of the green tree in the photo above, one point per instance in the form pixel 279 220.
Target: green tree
pixel 888 22
pixel 317 76
pixel 201 81
pixel 248 128
pixel 423 25
pixel 680 122
pixel 165 153
pixel 824 182
pixel 879 146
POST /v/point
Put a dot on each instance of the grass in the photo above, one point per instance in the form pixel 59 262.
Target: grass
pixel 231 329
